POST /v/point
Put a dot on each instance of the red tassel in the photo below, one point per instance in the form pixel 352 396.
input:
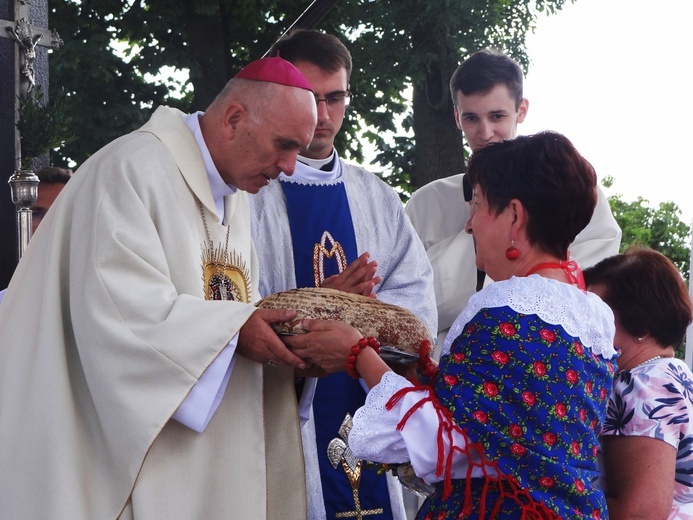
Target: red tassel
pixel 507 485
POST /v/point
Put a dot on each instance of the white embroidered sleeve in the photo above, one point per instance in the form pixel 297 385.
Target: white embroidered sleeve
pixel 374 435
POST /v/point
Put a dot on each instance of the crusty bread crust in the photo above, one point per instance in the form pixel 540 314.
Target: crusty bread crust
pixel 390 324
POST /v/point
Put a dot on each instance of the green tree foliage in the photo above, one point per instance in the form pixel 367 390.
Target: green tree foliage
pixel 42 125
pixel 659 228
pixel 105 95
pixel 114 63
pixel 404 54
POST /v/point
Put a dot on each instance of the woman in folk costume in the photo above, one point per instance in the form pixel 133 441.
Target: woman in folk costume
pixel 506 426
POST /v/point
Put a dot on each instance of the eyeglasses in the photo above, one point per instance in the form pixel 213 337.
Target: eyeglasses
pixel 335 99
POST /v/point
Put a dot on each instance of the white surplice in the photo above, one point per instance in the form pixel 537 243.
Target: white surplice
pixel 107 332
pixel 382 229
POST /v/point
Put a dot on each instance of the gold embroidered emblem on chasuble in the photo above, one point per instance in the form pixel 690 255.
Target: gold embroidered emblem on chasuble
pixel 321 253
pixel 225 275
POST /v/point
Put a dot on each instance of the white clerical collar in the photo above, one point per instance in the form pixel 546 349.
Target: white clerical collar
pixel 219 188
pixel 318 164
pixel 309 169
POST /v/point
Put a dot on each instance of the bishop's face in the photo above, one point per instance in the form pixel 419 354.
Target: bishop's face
pixel 329 88
pixel 259 150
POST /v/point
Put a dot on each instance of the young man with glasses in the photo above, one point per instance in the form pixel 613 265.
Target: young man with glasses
pixel 334 224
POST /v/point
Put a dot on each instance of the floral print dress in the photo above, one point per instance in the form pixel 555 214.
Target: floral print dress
pixel 655 400
pixel 524 384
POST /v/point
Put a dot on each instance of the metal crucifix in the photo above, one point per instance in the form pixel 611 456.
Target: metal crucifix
pixel 24 184
pixel 27 37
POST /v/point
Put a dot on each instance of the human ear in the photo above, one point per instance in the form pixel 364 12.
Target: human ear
pixel 457 119
pixel 519 214
pixel 233 114
pixel 522 110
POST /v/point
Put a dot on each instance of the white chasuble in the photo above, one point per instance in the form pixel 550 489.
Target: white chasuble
pixel 108 332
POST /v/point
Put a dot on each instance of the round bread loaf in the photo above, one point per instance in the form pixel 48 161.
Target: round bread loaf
pixel 391 325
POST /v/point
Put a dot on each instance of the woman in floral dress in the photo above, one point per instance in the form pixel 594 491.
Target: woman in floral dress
pixel 647 438
pixel 506 426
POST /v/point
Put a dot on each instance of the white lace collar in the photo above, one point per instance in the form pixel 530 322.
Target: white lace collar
pixel 581 314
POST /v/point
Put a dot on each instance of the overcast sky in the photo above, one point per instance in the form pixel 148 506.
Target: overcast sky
pixel 615 77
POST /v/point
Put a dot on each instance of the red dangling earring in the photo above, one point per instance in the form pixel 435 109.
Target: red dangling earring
pixel 512 253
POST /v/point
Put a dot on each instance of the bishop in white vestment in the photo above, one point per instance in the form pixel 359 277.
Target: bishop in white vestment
pixel 113 324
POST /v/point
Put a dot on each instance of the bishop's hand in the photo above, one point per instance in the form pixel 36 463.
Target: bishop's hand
pixel 258 342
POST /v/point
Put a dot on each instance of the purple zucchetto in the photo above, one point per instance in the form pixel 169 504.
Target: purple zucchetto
pixel 274 70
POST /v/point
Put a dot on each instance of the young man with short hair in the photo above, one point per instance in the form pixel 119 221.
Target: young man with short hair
pixel 487 96
pixel 322 226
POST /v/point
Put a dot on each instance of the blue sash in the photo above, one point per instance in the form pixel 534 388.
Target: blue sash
pixel 322 233
pixel 313 211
